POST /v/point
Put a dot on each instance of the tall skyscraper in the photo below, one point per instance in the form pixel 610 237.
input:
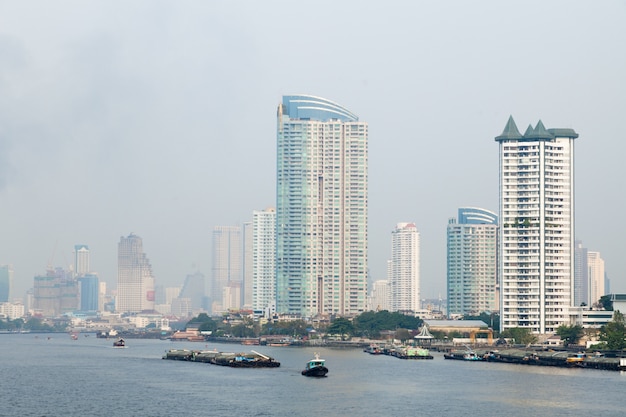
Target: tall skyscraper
pixel 264 259
pixel 81 259
pixel 6 282
pixel 321 208
pixel 537 232
pixel 596 277
pixel 135 281
pixel 472 270
pixel 226 268
pixel 404 269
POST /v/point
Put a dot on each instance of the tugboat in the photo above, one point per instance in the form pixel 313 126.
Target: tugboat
pixel 119 343
pixel 315 367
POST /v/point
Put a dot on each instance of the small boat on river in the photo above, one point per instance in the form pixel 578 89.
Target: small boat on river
pixel 119 343
pixel 315 367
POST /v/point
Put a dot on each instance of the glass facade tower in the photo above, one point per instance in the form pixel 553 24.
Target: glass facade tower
pixel 536 201
pixel 321 208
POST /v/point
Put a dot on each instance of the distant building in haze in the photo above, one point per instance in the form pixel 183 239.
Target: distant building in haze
pixel 55 293
pixel 321 208
pixel 135 281
pixel 380 296
pixel 581 275
pixel 595 264
pixel 226 270
pixel 264 260
pixel 247 266
pixel 194 289
pixel 6 283
pixel 81 259
pixel 537 227
pixel 89 285
pixel 472 262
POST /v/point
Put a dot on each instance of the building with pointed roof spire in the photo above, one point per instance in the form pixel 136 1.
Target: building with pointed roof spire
pixel 536 249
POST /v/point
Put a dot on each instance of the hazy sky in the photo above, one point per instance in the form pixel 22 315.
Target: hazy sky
pixel 159 118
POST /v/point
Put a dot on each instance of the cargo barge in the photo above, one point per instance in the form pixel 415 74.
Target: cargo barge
pixel 234 360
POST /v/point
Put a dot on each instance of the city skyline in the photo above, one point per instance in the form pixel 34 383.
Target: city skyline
pixel 111 128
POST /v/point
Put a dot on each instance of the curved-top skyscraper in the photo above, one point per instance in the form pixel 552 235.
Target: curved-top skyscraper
pixel 321 208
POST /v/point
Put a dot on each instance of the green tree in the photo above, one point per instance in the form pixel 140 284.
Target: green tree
pixel 403 335
pixel 287 328
pixel 570 334
pixel 371 323
pixel 521 335
pixel 341 326
pixel 206 323
pixel 613 334
pixel 606 303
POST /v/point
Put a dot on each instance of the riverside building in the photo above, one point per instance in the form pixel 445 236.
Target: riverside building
pixel 472 266
pixel 536 203
pixel 404 269
pixel 321 208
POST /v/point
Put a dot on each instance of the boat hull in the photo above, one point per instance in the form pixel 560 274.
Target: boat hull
pixel 318 371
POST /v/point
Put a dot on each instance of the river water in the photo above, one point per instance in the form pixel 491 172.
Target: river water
pixel 53 375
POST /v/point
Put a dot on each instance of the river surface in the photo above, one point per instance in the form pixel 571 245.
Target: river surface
pixel 53 375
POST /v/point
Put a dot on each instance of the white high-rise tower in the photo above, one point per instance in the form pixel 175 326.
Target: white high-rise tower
pixel 264 259
pixel 321 208
pixel 537 227
pixel 404 269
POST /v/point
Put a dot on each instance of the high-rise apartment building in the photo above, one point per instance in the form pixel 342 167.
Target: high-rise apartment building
pixel 536 202
pixel 404 269
pixel 226 271
pixel 596 277
pixel 135 281
pixel 472 263
pixel 81 259
pixel 6 282
pixel 321 208
pixel 264 259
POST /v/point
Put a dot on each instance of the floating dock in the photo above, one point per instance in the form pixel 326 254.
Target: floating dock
pixel 234 360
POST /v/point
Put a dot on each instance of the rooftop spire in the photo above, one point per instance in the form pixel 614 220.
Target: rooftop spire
pixel 510 131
